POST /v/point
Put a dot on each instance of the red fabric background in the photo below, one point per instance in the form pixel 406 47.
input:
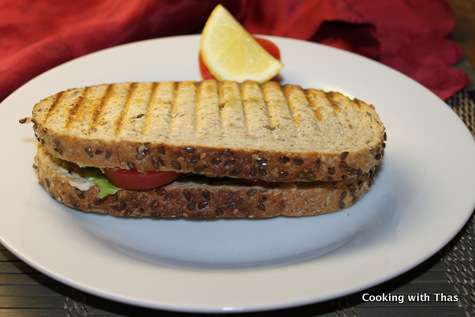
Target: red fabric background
pixel 408 35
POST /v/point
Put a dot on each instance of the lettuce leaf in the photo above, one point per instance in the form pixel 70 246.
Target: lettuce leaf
pixel 96 176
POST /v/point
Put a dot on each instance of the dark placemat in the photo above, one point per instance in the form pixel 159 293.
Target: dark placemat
pixel 441 286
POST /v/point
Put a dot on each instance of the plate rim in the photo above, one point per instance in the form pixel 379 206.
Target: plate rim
pixel 255 307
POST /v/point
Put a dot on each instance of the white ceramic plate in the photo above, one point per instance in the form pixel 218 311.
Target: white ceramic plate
pixel 423 195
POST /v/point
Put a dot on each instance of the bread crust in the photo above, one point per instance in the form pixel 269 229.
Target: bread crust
pixel 279 163
pixel 202 197
pixel 268 166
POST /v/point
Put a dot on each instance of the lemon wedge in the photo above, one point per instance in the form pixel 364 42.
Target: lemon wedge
pixel 231 53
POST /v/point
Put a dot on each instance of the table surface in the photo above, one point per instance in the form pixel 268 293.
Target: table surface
pixel 26 292
pixel 463 33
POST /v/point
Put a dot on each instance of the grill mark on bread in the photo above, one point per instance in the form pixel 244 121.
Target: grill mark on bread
pixel 183 110
pixel 298 104
pixel 245 110
pixel 60 109
pixel 232 112
pixel 75 111
pixel 303 115
pixel 98 111
pixel 108 108
pixel 160 113
pixel 134 123
pixel 149 110
pixel 333 103
pixel 281 117
pixel 255 110
pixel 82 113
pixel 59 97
pixel 360 103
pixel 314 105
pixel 199 104
pixel 119 123
pixel 208 110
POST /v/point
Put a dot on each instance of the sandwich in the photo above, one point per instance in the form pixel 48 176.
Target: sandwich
pixel 206 149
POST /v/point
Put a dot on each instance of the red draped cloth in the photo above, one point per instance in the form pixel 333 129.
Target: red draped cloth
pixel 407 35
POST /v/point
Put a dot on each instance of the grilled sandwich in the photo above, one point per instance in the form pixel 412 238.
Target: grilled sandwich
pixel 230 149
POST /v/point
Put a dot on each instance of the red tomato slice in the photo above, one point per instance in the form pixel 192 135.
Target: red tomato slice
pixel 205 73
pixel 131 179
pixel 269 46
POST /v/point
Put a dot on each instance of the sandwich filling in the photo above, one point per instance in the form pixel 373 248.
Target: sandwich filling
pixel 110 181
pixel 131 179
pixel 194 196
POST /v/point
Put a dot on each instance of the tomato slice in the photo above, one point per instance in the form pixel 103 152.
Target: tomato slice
pixel 131 179
pixel 205 73
pixel 269 46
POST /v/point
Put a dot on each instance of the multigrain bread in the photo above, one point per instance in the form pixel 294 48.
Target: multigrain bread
pixel 241 149
pixel 199 197
pixel 239 130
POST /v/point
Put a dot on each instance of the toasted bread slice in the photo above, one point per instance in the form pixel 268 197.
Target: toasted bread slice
pixel 199 197
pixel 241 130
